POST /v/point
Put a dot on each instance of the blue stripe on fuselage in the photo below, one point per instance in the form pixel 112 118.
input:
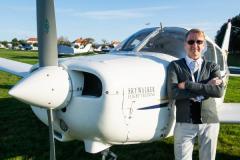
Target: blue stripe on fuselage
pixel 154 106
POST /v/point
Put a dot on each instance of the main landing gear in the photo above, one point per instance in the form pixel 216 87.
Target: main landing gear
pixel 108 155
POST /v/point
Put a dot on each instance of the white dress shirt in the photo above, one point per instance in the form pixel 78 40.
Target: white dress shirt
pixel 197 69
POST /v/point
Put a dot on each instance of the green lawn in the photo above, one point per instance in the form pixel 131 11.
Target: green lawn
pixel 22 56
pixel 233 90
pixel 24 137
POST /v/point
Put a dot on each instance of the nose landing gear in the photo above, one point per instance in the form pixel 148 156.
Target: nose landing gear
pixel 108 155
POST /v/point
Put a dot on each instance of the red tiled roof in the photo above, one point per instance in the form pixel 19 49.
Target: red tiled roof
pixel 80 41
pixel 32 39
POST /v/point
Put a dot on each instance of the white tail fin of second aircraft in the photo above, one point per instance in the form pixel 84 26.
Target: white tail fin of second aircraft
pixel 226 38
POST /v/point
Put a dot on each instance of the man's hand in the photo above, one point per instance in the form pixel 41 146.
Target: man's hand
pixel 215 81
pixel 181 85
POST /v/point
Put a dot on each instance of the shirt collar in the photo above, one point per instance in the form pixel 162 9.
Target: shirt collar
pixel 189 60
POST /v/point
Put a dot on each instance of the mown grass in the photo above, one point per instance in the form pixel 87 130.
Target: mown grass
pixel 24 137
pixel 22 56
pixel 233 90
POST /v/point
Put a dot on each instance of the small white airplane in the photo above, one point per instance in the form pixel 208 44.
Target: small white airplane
pixel 98 49
pixel 111 99
pixel 66 50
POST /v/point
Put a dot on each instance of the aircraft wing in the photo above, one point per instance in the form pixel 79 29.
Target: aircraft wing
pixel 229 113
pixel 14 67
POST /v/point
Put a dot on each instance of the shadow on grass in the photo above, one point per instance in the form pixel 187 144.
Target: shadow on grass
pixel 226 156
pixel 6 86
pixel 23 135
pixel 77 55
pixel 25 57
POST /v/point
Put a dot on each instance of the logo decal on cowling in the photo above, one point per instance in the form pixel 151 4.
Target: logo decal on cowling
pixel 141 92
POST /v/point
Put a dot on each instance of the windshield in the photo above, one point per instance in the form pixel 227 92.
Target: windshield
pixel 170 41
pixel 136 39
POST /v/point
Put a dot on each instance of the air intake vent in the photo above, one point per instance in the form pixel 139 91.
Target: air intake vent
pixel 92 85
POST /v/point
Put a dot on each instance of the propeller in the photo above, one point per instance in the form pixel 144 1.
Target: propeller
pixel 49 86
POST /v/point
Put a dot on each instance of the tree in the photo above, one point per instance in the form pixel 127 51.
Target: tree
pixel 5 43
pixel 35 44
pixel 104 41
pixel 15 42
pixel 22 42
pixel 76 46
pixel 234 45
pixel 90 40
pixel 64 41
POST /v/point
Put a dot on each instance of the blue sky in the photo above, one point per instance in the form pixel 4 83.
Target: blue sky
pixel 115 19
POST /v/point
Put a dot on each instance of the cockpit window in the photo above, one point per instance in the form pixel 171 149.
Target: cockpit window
pixel 209 54
pixel 220 59
pixel 170 42
pixel 136 39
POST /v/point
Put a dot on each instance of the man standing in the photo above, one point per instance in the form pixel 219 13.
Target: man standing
pixel 192 84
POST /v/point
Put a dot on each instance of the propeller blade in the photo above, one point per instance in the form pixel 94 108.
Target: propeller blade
pixel 47 34
pixel 51 134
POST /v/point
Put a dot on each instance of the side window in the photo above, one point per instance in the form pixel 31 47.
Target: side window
pixel 209 54
pixel 220 58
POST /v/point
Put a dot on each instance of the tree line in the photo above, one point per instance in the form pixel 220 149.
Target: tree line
pixel 60 41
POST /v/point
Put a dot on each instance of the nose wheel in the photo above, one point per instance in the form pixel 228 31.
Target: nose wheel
pixel 108 155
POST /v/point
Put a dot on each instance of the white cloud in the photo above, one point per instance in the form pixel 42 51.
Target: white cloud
pixel 123 13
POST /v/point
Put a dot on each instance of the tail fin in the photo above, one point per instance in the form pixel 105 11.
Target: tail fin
pixel 226 38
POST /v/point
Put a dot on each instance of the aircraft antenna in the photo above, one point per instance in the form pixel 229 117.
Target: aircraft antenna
pixel 161 26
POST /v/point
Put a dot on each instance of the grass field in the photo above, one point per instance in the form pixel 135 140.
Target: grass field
pixel 24 137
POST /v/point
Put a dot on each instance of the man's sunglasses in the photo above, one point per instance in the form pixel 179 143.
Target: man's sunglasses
pixel 191 42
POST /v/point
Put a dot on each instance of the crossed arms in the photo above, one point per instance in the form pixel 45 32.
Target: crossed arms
pixel 185 89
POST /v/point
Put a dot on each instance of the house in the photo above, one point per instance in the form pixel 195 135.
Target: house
pixel 115 43
pixel 80 42
pixel 9 45
pixel 32 40
pixel 2 46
